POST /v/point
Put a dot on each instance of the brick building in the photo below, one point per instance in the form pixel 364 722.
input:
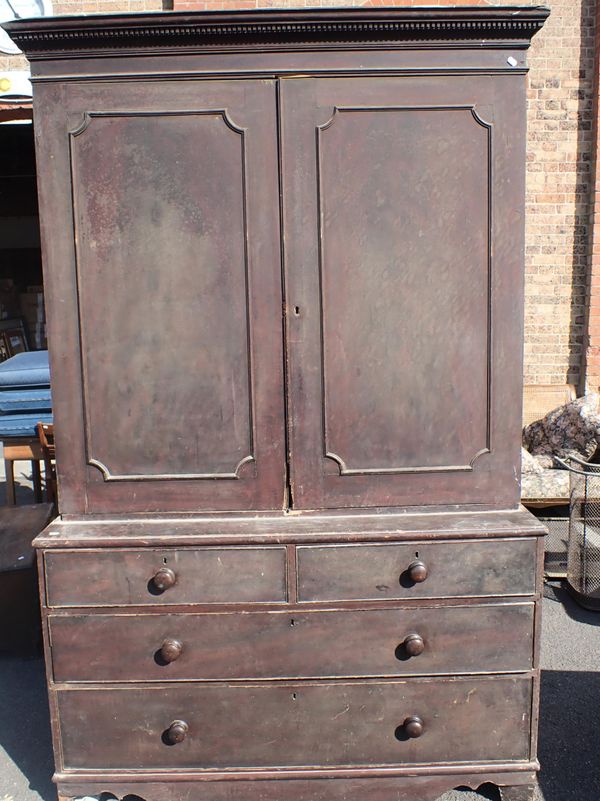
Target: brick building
pixel 562 323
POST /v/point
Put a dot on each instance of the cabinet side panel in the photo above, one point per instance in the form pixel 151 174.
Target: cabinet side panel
pixel 60 291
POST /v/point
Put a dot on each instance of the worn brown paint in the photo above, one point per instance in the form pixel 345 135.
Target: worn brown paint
pixel 283 257
pixel 271 645
pixel 126 577
pixel 356 723
pixel 360 572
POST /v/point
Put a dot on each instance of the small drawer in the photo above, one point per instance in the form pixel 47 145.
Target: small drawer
pixel 474 568
pixel 302 644
pixel 150 577
pixel 296 724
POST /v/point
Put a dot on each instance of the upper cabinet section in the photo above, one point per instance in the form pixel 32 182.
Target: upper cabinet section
pixel 310 217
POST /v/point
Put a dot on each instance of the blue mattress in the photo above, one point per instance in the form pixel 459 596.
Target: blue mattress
pixel 22 425
pixel 25 398
pixel 22 401
pixel 28 369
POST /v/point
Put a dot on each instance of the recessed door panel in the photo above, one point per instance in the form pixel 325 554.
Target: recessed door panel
pixel 163 294
pixel 404 287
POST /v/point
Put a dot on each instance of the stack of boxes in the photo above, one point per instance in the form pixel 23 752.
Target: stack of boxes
pixel 9 300
pixel 32 311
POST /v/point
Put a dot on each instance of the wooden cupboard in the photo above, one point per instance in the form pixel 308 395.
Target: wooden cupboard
pixel 284 265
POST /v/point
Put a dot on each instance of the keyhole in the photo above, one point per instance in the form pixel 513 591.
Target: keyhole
pixel 297 311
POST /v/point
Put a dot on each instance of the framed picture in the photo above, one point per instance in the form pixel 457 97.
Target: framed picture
pixel 13 339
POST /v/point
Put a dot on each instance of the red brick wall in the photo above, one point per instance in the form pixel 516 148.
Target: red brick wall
pixel 561 88
pixel 592 338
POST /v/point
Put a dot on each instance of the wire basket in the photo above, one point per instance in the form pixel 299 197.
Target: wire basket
pixel 583 550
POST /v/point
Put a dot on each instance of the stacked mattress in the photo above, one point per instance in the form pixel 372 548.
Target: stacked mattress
pixel 25 398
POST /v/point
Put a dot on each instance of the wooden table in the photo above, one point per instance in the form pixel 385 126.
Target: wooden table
pixel 22 449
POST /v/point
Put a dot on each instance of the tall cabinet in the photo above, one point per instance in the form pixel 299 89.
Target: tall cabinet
pixel 283 257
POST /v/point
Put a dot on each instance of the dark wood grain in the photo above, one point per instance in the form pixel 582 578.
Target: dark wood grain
pixel 204 575
pixel 297 643
pixel 347 572
pixel 299 724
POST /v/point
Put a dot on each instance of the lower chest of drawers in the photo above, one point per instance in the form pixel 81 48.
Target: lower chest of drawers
pixel 292 657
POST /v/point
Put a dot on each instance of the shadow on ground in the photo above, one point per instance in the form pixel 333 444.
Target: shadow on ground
pixel 569 735
pixel 23 489
pixel 572 608
pixel 25 727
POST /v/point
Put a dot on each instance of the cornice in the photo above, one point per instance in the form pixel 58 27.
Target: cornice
pixel 149 32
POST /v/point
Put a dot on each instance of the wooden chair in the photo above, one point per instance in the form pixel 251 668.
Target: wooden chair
pixel 22 449
pixel 46 438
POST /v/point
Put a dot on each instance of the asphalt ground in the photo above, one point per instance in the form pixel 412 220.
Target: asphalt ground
pixel 569 734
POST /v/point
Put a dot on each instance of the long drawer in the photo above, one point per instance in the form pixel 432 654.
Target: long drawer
pixel 474 568
pixel 261 645
pixel 166 576
pixel 301 724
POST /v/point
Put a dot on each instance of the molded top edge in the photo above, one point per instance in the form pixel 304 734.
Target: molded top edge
pixel 156 31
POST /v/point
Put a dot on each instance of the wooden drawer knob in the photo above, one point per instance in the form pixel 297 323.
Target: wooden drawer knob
pixel 413 726
pixel 414 645
pixel 170 650
pixel 164 579
pixel 177 731
pixel 417 571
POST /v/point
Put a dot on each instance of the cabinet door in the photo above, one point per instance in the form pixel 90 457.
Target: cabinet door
pixel 403 230
pixel 162 257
